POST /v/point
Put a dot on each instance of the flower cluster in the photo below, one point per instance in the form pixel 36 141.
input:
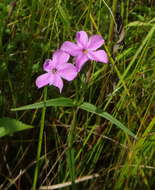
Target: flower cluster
pixel 83 50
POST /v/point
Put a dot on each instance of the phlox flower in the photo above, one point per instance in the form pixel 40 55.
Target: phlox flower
pixel 56 69
pixel 85 49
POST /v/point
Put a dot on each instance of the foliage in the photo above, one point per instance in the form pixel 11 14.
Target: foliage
pixel 77 138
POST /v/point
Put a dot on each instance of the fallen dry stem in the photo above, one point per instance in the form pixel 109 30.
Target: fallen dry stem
pixel 61 185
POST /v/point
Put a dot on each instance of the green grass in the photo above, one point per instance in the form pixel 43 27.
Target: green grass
pixel 90 127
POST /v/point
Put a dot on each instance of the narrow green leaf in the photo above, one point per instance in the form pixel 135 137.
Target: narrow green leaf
pixel 64 16
pixel 125 53
pixel 65 102
pixel 138 23
pixel 93 109
pixel 9 126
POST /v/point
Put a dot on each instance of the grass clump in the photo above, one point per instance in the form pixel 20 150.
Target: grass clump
pixel 76 140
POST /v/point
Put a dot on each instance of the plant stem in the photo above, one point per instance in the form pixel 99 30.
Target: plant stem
pixel 126 12
pixel 40 143
pixel 71 156
pixel 111 29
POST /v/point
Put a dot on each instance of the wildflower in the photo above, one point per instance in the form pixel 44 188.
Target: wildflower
pixel 56 69
pixel 85 49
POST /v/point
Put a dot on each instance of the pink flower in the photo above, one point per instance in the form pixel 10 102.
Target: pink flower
pixel 85 49
pixel 56 69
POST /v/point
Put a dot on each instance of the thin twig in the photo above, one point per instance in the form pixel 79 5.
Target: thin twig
pixel 62 185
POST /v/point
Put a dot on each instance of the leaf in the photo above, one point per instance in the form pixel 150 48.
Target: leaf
pixel 138 23
pixel 9 126
pixel 65 102
pixel 64 16
pixel 93 109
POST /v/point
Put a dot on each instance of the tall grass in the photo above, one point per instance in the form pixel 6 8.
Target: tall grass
pixel 70 140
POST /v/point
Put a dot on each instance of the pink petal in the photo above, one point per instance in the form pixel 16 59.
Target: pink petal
pixel 60 56
pixel 67 71
pixel 42 80
pixel 71 48
pixel 95 42
pixel 57 81
pixel 82 39
pixel 48 65
pixel 99 55
pixel 80 61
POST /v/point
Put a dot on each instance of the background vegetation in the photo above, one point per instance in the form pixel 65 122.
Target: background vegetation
pixel 78 141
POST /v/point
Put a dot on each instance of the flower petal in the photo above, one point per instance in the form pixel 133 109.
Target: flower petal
pixel 80 61
pixel 48 65
pixel 67 71
pixel 99 55
pixel 71 48
pixel 95 42
pixel 82 39
pixel 57 81
pixel 60 56
pixel 42 80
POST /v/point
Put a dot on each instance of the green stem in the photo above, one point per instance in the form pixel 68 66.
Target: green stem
pixel 111 29
pixel 40 143
pixel 127 12
pixel 71 156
